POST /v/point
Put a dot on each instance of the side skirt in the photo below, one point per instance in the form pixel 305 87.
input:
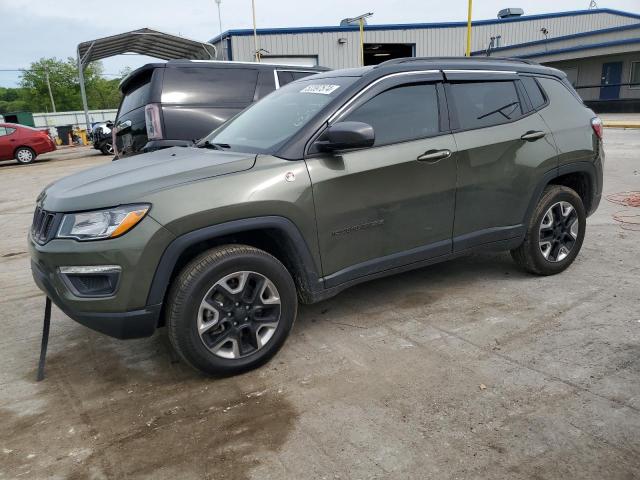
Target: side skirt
pixel 496 245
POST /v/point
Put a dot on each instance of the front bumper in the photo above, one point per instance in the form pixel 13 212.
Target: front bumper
pixel 125 313
pixel 132 324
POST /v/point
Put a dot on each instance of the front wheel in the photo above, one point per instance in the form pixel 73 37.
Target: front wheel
pixel 106 149
pixel 231 309
pixel 555 232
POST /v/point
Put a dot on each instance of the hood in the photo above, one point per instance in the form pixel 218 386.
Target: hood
pixel 128 180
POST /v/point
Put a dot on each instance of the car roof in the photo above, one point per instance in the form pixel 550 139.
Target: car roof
pixel 445 63
pixel 212 64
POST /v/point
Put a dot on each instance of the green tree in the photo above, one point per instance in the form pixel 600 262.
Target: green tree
pixel 65 86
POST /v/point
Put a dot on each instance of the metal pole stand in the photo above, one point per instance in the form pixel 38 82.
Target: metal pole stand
pixel 45 339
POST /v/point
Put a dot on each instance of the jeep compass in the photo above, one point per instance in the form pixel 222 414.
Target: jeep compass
pixel 332 180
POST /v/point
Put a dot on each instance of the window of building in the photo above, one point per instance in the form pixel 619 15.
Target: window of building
pixel 635 75
pixel 403 113
pixel 484 104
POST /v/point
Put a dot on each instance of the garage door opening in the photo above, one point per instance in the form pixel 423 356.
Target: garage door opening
pixel 375 53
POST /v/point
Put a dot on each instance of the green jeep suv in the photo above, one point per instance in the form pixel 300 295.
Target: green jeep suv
pixel 332 180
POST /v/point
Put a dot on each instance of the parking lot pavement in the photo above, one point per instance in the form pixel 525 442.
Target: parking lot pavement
pixel 467 369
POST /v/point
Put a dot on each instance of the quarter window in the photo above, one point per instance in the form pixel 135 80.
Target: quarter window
pixel 403 113
pixel 209 86
pixel 533 90
pixel 6 131
pixel 483 104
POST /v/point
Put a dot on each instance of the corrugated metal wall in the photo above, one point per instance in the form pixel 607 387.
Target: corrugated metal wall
pixel 574 42
pixel 589 72
pixel 428 42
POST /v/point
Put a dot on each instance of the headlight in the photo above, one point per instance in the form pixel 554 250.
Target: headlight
pixel 101 224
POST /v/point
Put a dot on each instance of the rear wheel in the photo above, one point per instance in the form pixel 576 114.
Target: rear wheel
pixel 555 232
pixel 24 155
pixel 231 309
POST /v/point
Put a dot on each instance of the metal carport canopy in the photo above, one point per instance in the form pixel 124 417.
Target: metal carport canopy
pixel 144 42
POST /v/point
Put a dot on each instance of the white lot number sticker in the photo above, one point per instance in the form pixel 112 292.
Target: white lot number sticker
pixel 320 88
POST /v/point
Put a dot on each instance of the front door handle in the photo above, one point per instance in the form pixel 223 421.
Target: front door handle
pixel 433 156
pixel 532 136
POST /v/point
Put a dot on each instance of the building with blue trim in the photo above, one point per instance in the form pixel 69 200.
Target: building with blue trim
pixel 599 49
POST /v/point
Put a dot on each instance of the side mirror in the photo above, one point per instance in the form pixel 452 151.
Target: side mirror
pixel 345 135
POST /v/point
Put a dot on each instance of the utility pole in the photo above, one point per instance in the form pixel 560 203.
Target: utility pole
pixel 218 2
pixel 361 22
pixel 255 33
pixel 468 50
pixel 46 75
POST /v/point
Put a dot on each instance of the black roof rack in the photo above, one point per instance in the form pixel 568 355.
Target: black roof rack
pixel 396 61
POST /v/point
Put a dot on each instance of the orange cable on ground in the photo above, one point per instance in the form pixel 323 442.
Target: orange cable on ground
pixel 626 219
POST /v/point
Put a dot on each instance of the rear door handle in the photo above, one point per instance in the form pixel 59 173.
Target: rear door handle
pixel 532 136
pixel 433 156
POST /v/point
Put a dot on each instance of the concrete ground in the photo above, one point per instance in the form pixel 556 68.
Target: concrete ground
pixel 469 369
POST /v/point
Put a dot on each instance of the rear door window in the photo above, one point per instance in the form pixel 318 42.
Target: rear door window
pixel 484 104
pixel 407 112
pixel 6 131
pixel 284 77
pixel 209 86
pixel 299 75
pixel 288 76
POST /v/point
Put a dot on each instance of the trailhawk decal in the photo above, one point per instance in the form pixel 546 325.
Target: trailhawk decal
pixel 356 228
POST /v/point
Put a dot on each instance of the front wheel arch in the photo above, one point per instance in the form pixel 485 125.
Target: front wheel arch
pixel 292 250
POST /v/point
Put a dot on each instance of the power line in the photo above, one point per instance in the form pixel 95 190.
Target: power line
pixel 36 70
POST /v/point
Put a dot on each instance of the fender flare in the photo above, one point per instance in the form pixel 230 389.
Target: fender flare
pixel 307 271
pixel 583 166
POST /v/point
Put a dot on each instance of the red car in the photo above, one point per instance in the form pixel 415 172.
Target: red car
pixel 23 143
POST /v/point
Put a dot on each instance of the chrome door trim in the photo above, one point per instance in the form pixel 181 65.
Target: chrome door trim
pixel 341 110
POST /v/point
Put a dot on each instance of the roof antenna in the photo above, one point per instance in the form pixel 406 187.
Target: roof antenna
pixel 593 4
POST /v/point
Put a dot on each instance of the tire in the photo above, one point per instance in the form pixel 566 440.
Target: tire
pixel 250 340
pixel 24 155
pixel 106 149
pixel 542 251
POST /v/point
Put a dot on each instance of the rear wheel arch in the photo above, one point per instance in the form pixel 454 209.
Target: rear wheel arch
pixel 580 181
pixel 579 176
pixel 275 235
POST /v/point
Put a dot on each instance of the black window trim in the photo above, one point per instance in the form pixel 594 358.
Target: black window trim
pixel 544 94
pixel 374 89
pixel 453 116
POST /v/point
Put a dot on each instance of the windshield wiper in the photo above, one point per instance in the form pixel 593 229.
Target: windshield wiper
pixel 213 146
pixel 499 110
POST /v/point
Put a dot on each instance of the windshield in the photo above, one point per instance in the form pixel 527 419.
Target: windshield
pixel 267 124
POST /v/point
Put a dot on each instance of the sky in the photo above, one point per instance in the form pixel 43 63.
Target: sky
pixel 32 29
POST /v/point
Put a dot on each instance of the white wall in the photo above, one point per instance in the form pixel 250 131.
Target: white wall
pixel 72 118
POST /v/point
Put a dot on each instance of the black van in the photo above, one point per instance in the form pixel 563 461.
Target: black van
pixel 168 104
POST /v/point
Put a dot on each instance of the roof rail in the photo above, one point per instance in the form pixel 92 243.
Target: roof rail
pixel 396 61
